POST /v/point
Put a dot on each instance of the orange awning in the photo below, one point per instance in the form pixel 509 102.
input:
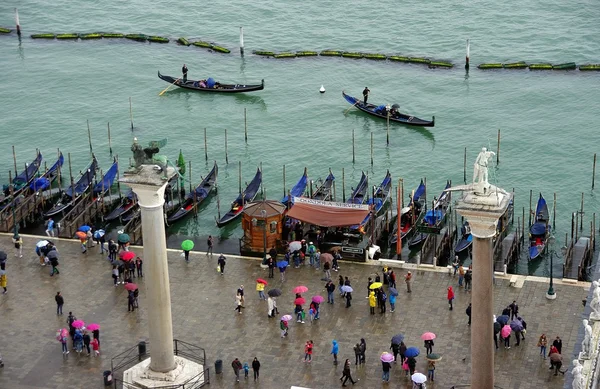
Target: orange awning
pixel 326 213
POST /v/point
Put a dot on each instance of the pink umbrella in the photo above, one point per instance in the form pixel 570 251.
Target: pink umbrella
pixel 286 317
pixel 300 301
pixel 93 327
pixel 387 357
pixel 505 332
pixel 78 324
pixel 326 257
pixel 127 255
pixel 300 289
pixel 318 299
pixel 428 336
pixel 131 286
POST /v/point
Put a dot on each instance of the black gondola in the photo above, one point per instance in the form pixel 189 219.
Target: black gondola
pixel 20 183
pixel 466 239
pixel 298 189
pixel 432 218
pixel 76 190
pixel 201 192
pixel 127 204
pixel 216 88
pixel 381 196
pixel 325 190
pixel 382 112
pixel 408 216
pixel 358 194
pixel 247 196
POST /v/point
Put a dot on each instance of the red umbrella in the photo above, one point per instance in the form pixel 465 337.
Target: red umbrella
pixel 326 257
pixel 127 255
pixel 131 286
pixel 300 289
pixel 300 301
pixel 261 281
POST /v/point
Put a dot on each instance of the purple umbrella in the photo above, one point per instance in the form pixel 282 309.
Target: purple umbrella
pixel 516 325
pixel 503 319
pixel 387 357
pixel 318 299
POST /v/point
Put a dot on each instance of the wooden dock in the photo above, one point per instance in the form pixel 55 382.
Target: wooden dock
pixel 86 211
pixel 578 258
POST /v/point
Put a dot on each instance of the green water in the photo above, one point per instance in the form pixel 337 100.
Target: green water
pixel 549 120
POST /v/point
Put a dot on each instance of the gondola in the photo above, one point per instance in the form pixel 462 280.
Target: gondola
pixel 358 194
pixel 298 189
pixel 216 86
pixel 74 191
pixel 127 204
pixel 46 179
pixel 20 182
pixel 247 196
pixel 381 196
pixel 408 215
pixel 539 230
pixel 107 181
pixel 466 239
pixel 324 191
pixel 199 194
pixel 394 116
pixel 432 217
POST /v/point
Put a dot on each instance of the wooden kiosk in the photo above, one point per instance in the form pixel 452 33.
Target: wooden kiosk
pixel 262 222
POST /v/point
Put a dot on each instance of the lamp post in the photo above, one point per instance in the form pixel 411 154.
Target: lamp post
pixel 263 214
pixel 551 295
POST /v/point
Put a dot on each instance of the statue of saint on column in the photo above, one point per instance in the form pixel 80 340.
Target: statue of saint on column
pixel 480 168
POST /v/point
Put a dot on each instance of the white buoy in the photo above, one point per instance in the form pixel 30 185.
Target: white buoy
pixel 322 89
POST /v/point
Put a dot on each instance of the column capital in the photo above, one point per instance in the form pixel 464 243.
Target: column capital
pixel 148 184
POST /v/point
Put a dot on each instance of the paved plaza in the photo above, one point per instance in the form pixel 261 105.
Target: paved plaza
pixel 203 314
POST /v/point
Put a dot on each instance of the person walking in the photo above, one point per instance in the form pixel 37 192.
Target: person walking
pixel 542 344
pixel 468 279
pixel 59 303
pixel 558 344
pixel 455 265
pixel 450 296
pixel 96 346
pixel 63 342
pixel 386 371
pixel 392 302
pixel 78 341
pixel 238 303
pixel 70 319
pixel 241 292
pixel 334 351
pixel 429 347
pixel 283 326
pixel 468 312
pixel 130 302
pixel 402 350
pixel 50 227
pixel 383 299
pixel 54 263
pixel 408 280
pixel 139 263
pixel 336 257
pixel 363 350
pixel 96 334
pixel 461 275
pixel 412 365
pixel 430 370
pixel 505 333
pixel 260 288
pixel 372 302
pixel 186 255
pixel 308 350
pixel 340 284
pixel 18 242
pixel 524 324
pixel 86 342
pixel 113 249
pixel 270 307
pixel 100 240
pixel 246 370
pixel 348 299
pixel 221 264
pixel 395 347
pixel 357 354
pixel 237 366
pixel 327 270
pixel 3 282
pixel 347 374
pixel 271 265
pixel 330 288
pixel 514 310
pixel 256 368
pixel 115 275
pixel 209 245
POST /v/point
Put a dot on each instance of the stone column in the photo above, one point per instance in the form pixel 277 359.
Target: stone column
pixel 482 212
pixel 149 186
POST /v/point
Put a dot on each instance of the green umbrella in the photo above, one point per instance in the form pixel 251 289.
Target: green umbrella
pixel 123 238
pixel 181 163
pixel 433 357
pixel 187 245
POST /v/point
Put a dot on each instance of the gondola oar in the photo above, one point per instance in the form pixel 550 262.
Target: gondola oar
pixel 167 88
pixel 357 101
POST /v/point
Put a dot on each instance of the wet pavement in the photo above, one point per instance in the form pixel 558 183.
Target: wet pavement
pixel 203 305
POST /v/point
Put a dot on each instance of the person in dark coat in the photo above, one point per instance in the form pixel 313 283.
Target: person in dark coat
pixel 347 374
pixel 348 299
pixel 357 354
pixel 402 350
pixel 273 253
pixel 86 342
pixel 363 349
pixel 255 368
pixel 366 94
pixel 524 327
pixel 184 71
pixel 428 347
pixel 468 312
pixel 386 371
pixel 412 364
pixel 514 310
pixel 506 311
pixel 271 264
pixel 130 302
pixel 96 335
pixel 59 303
pixel 558 344
pixel 395 350
pixel 221 262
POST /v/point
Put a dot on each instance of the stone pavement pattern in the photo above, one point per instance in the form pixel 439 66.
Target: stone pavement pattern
pixel 203 314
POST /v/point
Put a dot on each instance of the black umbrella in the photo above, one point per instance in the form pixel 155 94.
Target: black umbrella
pixel 396 106
pixel 274 292
pixel 2 256
pixel 497 328
pixel 53 254
pixel 503 319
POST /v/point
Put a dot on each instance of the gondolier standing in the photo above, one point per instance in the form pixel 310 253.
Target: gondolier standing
pixel 365 93
pixel 184 70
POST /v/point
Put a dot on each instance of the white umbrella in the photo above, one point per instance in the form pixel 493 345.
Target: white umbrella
pixel 42 243
pixel 295 245
pixel 418 378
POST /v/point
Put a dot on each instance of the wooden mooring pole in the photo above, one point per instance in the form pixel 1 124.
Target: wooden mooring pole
pixel 284 191
pixel 190 174
pixel 465 167
pixel 131 113
pixel 205 146
pixel 594 172
pixel 89 136
pixel 245 127
pixel 353 157
pixel 343 186
pixel 371 149
pixel 498 149
pixel 226 155
pixel 581 212
pixel 15 163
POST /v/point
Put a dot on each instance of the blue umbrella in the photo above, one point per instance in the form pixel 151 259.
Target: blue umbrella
pixel 503 319
pixel 516 325
pixel 85 228
pixel 411 352
pixel 347 289
pixel 282 264
pixel 393 292
pixel 397 339
pixel 99 234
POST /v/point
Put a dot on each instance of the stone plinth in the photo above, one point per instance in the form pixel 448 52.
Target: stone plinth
pixel 185 373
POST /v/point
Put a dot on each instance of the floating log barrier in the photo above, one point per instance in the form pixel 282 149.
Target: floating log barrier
pixel 93 35
pixel 490 66
pixel 419 60
pixel 285 55
pixel 158 39
pixel 43 36
pixel 352 54
pixel 331 53
pixel 540 66
pixel 5 30
pixel 565 66
pixel 67 36
pixel 137 37
pixel 220 49
pixel 398 58
pixel 202 44
pixel 440 64
pixel 589 67
pixel 263 53
pixel 184 42
pixel 375 56
pixel 306 53
pixel 112 35
pixel 515 65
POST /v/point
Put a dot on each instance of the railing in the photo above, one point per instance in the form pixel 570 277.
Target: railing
pixel 130 357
